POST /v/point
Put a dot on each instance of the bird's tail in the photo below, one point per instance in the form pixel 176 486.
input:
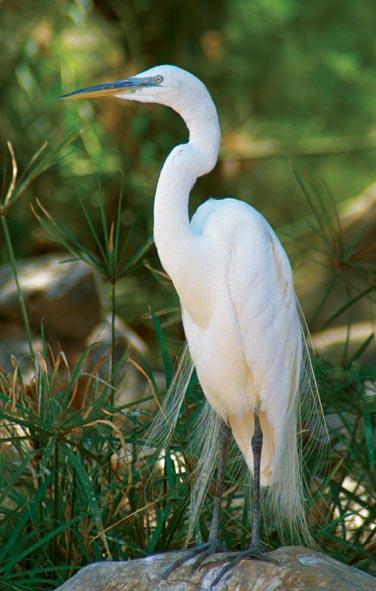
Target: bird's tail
pixel 204 446
pixel 303 445
pixel 164 424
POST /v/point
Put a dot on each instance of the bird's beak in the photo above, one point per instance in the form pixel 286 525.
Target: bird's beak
pixel 119 87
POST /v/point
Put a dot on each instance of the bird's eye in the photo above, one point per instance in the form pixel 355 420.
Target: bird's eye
pixel 158 79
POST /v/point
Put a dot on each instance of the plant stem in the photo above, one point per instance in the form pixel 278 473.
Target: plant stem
pixel 56 500
pixel 21 300
pixel 113 338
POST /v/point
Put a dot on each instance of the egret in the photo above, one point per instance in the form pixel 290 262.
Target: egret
pixel 239 309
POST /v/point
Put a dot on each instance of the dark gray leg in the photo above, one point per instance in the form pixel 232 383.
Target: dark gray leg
pixel 255 550
pixel 256 444
pixel 212 545
pixel 224 444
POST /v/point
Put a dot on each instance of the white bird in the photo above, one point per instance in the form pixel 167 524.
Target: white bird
pixel 235 284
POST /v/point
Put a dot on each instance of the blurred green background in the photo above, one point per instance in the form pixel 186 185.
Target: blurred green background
pixel 294 82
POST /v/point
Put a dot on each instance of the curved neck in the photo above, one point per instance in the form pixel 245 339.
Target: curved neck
pixel 173 235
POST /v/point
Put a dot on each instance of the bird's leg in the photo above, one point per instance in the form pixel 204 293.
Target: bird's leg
pixel 256 444
pixel 212 545
pixel 255 550
pixel 224 444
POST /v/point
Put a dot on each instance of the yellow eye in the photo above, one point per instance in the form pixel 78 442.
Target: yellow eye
pixel 158 79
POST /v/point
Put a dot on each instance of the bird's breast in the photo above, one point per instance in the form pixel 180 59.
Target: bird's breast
pixel 216 351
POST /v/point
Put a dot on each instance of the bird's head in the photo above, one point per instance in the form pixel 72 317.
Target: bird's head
pixel 166 85
pixel 175 88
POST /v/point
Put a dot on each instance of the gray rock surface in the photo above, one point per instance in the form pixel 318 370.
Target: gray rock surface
pixel 296 569
pixel 64 296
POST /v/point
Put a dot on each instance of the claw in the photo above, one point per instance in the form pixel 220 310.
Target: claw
pixel 200 553
pixel 252 553
pixel 198 564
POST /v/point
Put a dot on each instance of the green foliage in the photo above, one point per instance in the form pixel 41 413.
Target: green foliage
pixel 349 399
pixel 80 482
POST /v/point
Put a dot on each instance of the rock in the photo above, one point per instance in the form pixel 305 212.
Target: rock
pixel 65 297
pixel 296 569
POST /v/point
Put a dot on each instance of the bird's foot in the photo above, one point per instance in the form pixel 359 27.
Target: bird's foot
pixel 198 553
pixel 254 552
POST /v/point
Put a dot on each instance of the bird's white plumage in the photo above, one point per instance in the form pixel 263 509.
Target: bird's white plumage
pixel 248 354
pixel 235 286
pixel 234 282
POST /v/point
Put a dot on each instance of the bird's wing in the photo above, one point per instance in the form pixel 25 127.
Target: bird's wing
pixel 261 286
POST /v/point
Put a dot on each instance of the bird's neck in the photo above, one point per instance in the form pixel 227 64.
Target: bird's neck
pixel 173 235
